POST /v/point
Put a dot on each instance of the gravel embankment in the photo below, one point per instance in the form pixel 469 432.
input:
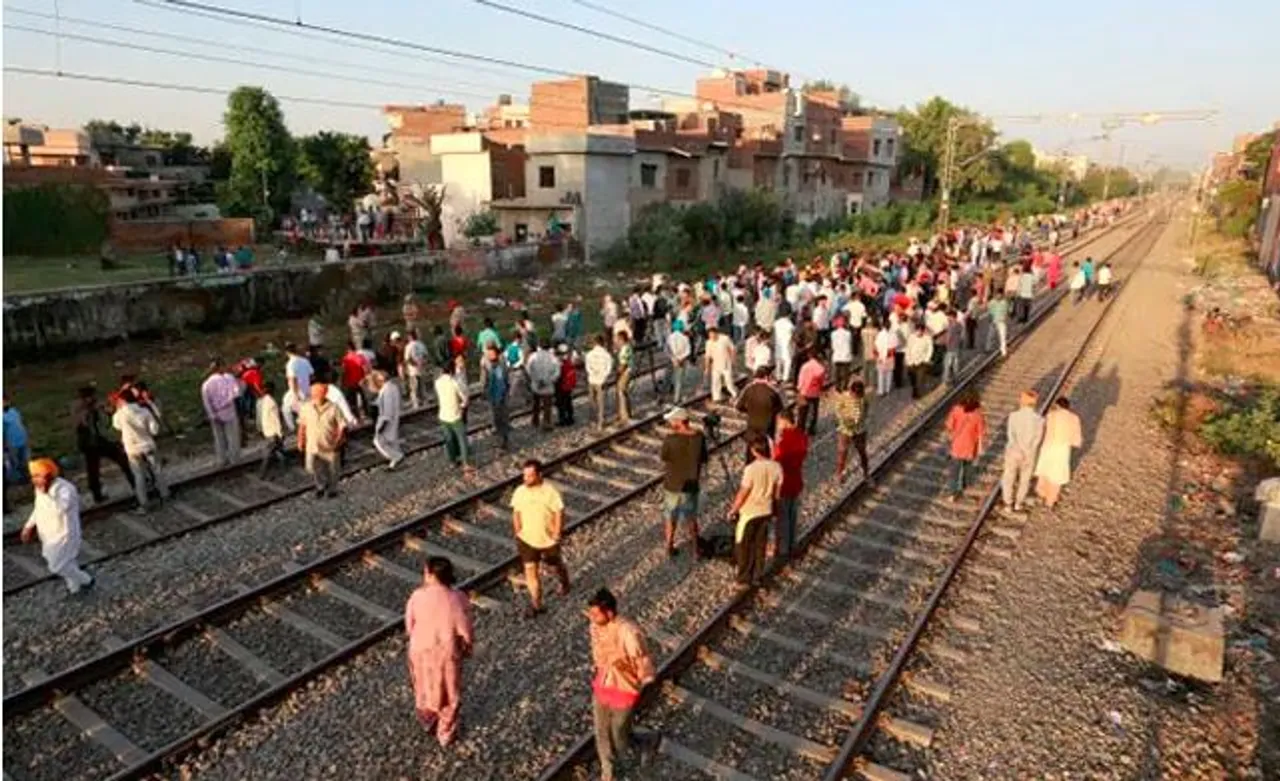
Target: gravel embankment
pixel 45 628
pixel 515 721
pixel 1044 698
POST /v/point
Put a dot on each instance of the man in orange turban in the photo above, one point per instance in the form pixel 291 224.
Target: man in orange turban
pixel 56 519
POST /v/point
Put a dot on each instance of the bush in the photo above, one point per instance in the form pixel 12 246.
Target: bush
pixel 55 219
pixel 480 224
pixel 1250 427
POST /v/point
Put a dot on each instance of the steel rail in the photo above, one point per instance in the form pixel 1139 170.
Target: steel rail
pixel 855 744
pixel 284 494
pixel 122 657
pixel 686 652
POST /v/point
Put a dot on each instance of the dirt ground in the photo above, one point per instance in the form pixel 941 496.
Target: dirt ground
pixel 175 367
pixel 1150 507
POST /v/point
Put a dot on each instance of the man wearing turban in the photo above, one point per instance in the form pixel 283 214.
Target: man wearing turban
pixel 56 519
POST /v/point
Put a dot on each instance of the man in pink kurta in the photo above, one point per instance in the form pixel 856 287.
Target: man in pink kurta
pixel 438 620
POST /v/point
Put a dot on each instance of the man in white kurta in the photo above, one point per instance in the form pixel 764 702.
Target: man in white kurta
pixel 386 436
pixel 56 519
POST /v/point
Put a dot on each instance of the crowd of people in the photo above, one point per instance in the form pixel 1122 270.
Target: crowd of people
pixel 845 329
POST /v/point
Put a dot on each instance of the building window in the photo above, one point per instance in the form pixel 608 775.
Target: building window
pixel 798 134
pixel 854 207
pixel 875 148
pixel 522 232
pixel 648 176
pixel 546 176
pixel 871 178
pixel 856 178
pixel 786 175
pixel 888 147
pixel 833 136
pixel 682 177
pixel 715 168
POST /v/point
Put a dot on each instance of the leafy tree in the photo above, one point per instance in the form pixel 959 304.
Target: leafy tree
pixel 177 147
pixel 336 165
pixel 220 162
pixel 480 224
pixel 263 156
pixel 1238 202
pixel 1095 183
pixel 924 148
pixel 1257 154
pixel 111 131
pixel 849 100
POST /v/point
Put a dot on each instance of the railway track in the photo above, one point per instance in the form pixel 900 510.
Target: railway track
pixel 197 678
pixel 211 498
pixel 794 678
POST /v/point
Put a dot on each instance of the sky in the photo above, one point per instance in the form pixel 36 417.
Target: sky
pixel 1001 58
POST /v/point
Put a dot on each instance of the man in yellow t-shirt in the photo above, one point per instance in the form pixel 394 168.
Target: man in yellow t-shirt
pixel 537 517
pixel 753 508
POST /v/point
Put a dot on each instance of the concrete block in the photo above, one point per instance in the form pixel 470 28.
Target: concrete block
pixel 1269 521
pixel 1180 636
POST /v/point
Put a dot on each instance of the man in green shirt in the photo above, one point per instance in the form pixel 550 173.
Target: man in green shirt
pixel 998 309
pixel 487 336
pixel 626 362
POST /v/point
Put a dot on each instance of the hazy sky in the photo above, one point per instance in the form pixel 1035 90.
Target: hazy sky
pixel 1001 58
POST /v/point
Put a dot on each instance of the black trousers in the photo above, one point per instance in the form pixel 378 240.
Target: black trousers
pixel 899 369
pixel 919 379
pixel 748 554
pixel 564 407
pixel 93 455
pixel 807 414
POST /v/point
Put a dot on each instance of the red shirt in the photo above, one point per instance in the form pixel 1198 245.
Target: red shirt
pixel 811 378
pixel 252 377
pixel 789 449
pixel 353 369
pixel 457 346
pixel 967 430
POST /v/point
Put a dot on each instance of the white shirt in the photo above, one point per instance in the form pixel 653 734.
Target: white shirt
pixel 315 332
pixel 720 352
pixel 842 346
pixel 886 343
pixel 857 312
pixel 269 422
pixel 389 398
pixel 1104 275
pixel 741 315
pixel 449 398
pixel 415 358
pixel 1078 280
pixel 543 371
pixel 334 394
pixel 919 349
pixel 599 363
pixel 678 346
pixel 289 405
pixel 299 368
pixel 137 427
pixel 56 519
pixel 783 330
pixel 935 320
pixel 761 356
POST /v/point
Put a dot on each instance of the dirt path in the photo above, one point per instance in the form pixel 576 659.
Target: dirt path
pixel 1044 699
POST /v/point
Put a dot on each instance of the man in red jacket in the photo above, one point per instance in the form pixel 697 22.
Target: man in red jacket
pixel 790 448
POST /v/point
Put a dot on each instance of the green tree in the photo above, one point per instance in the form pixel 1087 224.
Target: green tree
pixel 177 147
pixel 336 165
pixel 924 148
pixel 1095 183
pixel 1237 203
pixel 1257 154
pixel 479 224
pixel 263 157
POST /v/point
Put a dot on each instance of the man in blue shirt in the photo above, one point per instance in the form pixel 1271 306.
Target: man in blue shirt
pixel 496 382
pixel 16 450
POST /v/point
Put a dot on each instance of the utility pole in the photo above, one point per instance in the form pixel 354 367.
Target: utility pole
pixel 948 162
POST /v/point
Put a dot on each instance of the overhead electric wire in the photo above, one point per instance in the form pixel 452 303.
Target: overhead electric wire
pixel 193 88
pixel 670 33
pixel 596 33
pixel 303 34
pixel 188 6
pixel 239 46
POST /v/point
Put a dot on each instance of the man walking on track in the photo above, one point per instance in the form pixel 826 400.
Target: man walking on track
pixel 968 429
pixel 138 427
pixel 537 517
pixel 755 504
pixel 719 361
pixel 1025 428
pixel 386 430
pixel 437 619
pixel 495 380
pixel 56 519
pixel 321 431
pixel 623 668
pixel 93 444
pixel 450 401
pixel 684 453
pixel 813 375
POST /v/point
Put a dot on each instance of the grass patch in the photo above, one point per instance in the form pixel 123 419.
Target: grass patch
pixel 1247 426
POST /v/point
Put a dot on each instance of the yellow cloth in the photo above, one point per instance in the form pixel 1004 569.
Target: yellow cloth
pixel 43 467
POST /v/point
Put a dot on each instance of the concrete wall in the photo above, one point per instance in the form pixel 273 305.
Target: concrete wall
pixel 142 235
pixel 55 323
pixel 606 210
pixel 466 172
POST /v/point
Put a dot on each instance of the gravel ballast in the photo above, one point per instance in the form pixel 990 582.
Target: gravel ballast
pixel 1045 698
